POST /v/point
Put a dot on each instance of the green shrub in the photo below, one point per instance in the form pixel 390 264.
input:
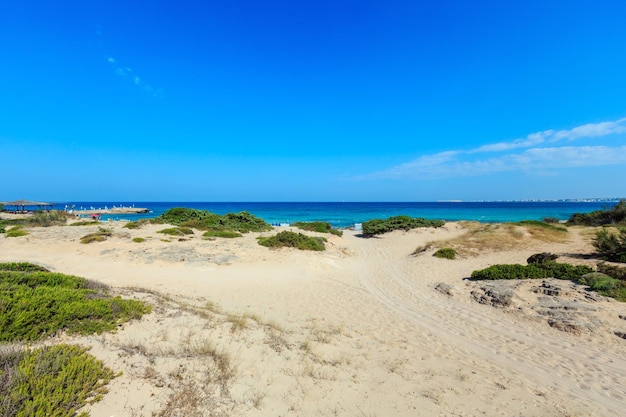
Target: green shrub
pixel 86 223
pixel 539 258
pixel 47 218
pixel 605 285
pixel 551 220
pixel 445 253
pixel 611 246
pixel 613 215
pixel 99 236
pixel 320 227
pixel 38 304
pixel 21 266
pixel 176 231
pixel 138 239
pixel 547 269
pixel 379 226
pixel 50 381
pixel 221 233
pixel 136 225
pixel 16 231
pixel 243 222
pixel 2 229
pixel 293 240
pixel 614 271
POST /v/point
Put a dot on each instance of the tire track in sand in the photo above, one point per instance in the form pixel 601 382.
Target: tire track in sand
pixel 561 363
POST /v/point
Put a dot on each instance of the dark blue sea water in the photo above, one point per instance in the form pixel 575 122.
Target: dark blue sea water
pixel 347 214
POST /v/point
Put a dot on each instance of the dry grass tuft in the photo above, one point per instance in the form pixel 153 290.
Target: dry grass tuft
pixel 481 237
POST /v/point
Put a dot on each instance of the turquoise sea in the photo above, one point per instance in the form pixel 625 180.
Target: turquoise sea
pixel 347 214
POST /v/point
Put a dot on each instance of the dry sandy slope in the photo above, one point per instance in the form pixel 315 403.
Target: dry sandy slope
pixel 358 330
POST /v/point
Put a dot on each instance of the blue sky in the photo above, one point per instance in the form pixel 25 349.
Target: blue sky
pixel 312 100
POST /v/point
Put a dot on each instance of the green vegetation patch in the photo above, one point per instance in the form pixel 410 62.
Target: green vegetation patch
pixel 544 267
pixel 613 215
pixel 605 285
pixel 293 240
pixel 547 269
pixel 16 231
pixel 614 271
pixel 137 224
pixel 221 233
pixel 176 231
pixel 86 223
pixel 379 226
pixel 611 246
pixel 320 227
pixel 138 239
pixel 50 381
pixel 22 267
pixel 99 236
pixel 37 304
pixel 242 222
pixel 47 218
pixel 445 253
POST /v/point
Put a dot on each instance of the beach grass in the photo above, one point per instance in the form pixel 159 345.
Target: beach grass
pixel 495 237
pixel 176 231
pixel 99 236
pixel 16 231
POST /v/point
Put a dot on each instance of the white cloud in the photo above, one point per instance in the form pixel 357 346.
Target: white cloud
pixel 122 71
pixel 591 130
pixel 534 158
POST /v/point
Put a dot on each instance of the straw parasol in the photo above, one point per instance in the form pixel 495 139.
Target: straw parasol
pixel 26 203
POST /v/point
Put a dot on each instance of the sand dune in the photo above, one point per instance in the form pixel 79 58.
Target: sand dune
pixel 357 330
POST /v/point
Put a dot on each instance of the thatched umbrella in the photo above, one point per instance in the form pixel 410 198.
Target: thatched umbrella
pixel 25 203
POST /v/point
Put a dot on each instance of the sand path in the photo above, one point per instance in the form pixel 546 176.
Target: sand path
pixel 366 333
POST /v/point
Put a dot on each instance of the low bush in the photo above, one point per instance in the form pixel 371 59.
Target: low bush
pixel 16 231
pixel 445 253
pixel 605 285
pixel 551 220
pixel 379 226
pixel 138 239
pixel 539 258
pixel 614 271
pixel 137 224
pixel 293 240
pixel 612 215
pixel 243 222
pixel 176 231
pixel 320 227
pixel 547 269
pixel 221 233
pixel 86 223
pixel 39 304
pixel 611 246
pixel 22 267
pixel 50 381
pixel 47 218
pixel 99 236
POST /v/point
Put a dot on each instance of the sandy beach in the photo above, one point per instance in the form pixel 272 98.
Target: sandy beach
pixel 365 328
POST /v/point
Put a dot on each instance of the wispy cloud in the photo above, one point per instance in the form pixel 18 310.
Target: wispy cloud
pixel 126 71
pixel 525 154
pixel 123 71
